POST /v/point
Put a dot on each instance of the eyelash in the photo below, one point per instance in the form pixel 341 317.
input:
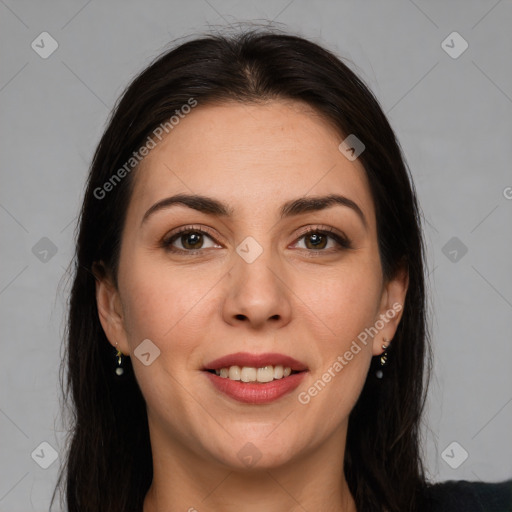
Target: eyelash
pixel 343 242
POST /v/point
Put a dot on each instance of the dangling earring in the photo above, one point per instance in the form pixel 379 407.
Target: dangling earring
pixel 119 369
pixel 383 360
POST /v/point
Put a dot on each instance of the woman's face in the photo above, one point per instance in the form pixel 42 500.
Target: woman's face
pixel 249 284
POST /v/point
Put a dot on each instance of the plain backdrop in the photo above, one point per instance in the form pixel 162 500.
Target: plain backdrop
pixel 452 113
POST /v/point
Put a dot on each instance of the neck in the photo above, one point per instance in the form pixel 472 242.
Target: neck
pixel 184 481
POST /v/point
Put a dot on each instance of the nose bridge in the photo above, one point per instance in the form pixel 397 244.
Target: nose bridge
pixel 257 245
pixel 255 263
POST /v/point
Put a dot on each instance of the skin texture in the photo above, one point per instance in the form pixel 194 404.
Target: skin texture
pixel 294 299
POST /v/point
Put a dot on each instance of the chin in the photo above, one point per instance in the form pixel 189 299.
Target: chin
pixel 258 452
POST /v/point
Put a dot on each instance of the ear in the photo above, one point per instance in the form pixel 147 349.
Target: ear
pixel 110 309
pixel 391 309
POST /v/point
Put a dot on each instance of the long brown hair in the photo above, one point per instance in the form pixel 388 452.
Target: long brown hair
pixel 109 465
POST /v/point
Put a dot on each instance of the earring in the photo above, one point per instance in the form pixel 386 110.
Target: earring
pixel 383 360
pixel 119 369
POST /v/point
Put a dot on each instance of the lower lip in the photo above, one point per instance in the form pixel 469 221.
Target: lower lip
pixel 256 393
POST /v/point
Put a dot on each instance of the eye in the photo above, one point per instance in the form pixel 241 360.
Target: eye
pixel 192 240
pixel 316 239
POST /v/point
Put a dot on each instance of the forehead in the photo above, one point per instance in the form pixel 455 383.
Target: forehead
pixel 250 156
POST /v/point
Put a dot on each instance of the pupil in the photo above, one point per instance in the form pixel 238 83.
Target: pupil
pixel 193 237
pixel 317 239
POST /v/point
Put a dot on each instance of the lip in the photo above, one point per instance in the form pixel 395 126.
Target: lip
pixel 255 361
pixel 256 393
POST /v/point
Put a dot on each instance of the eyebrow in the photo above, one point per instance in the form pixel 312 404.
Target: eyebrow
pixel 291 208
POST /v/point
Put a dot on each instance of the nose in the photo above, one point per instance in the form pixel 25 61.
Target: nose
pixel 257 293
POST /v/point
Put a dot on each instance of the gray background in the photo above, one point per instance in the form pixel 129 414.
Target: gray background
pixel 453 117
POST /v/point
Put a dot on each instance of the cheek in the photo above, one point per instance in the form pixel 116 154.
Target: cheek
pixel 340 307
pixel 345 299
pixel 165 304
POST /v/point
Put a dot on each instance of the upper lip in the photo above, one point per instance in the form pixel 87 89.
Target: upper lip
pixel 255 361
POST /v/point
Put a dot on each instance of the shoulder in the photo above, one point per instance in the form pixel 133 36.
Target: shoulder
pixel 466 496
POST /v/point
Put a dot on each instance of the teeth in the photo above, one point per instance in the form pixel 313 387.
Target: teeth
pixel 251 374
pixel 265 374
pixel 248 374
pixel 278 372
pixel 234 373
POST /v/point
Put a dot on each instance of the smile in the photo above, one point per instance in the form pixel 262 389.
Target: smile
pixel 255 378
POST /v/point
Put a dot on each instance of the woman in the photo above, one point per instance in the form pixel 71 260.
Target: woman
pixel 247 322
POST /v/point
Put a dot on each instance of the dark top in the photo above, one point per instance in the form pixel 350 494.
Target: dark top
pixel 465 496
